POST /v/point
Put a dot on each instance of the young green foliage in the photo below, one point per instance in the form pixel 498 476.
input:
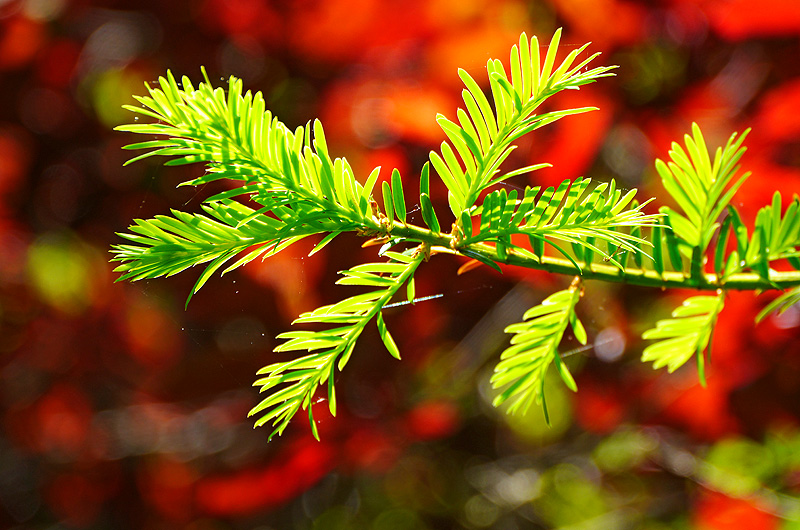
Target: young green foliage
pixel 166 245
pixel 702 189
pixel 286 186
pixel 523 366
pixel 289 175
pixel 687 333
pixel 775 237
pixel 567 214
pixel 485 133
pixel 292 384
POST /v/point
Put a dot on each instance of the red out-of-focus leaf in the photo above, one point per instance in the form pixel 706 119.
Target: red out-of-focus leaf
pixel 773 148
pixel 75 498
pixel 709 104
pixel 735 361
pixel 715 511
pixel 347 30
pixel 167 485
pixel 414 109
pixel 243 20
pixel 468 47
pixel 773 337
pixel 685 21
pixel 777 109
pixel 388 158
pixel 63 421
pixel 600 408
pixel 241 493
pixel 310 461
pixel 623 22
pixel 432 420
pixel 742 19
pixel 703 412
pixel 152 336
pixel 15 157
pixel 56 64
pixel 20 428
pixel 372 449
pixel 20 39
pixel 444 14
pixel 379 114
pixel 299 466
pixel 14 242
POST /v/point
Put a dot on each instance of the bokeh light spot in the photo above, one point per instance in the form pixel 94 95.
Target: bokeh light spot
pixel 609 344
pixel 58 270
pixel 112 89
pixel 480 511
pixel 43 10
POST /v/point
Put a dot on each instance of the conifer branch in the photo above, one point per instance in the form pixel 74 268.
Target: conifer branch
pixel 286 186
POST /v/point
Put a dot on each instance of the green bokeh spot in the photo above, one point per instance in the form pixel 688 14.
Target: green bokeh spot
pixel 623 450
pixel 59 272
pixel 569 497
pixel 532 426
pixel 739 466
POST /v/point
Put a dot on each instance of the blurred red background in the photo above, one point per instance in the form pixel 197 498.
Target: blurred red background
pixel 122 410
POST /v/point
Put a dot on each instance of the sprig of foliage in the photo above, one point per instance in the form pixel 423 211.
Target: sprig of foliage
pixel 700 188
pixel 289 175
pixel 534 346
pixel 568 214
pixel 285 186
pixel 293 383
pixel 167 245
pixel 687 333
pixel 484 135
pixel 775 237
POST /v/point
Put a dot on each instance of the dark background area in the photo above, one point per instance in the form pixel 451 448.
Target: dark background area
pixel 120 409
